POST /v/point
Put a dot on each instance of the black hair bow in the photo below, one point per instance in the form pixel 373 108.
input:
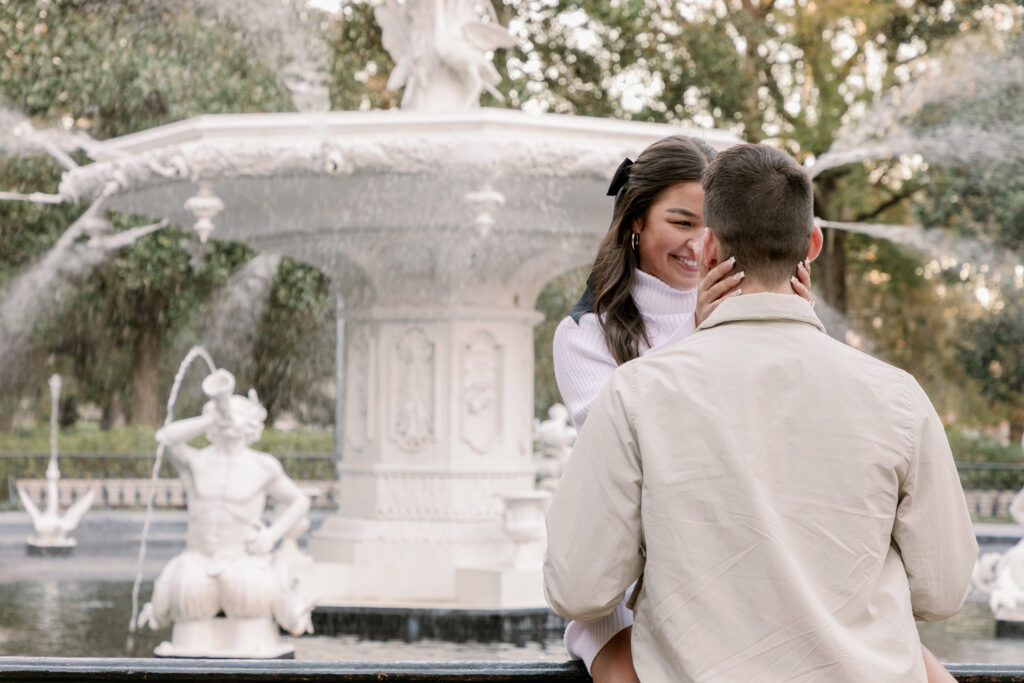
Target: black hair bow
pixel 619 180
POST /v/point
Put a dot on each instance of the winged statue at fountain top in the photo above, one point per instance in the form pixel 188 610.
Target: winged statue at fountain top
pixel 441 50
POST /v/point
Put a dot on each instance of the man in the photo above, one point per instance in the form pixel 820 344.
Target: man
pixel 789 503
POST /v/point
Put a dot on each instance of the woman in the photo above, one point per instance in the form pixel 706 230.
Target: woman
pixel 647 291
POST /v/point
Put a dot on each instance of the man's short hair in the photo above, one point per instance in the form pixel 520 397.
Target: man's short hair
pixel 759 202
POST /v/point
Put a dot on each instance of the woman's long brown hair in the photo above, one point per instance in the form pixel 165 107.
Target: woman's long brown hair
pixel 665 163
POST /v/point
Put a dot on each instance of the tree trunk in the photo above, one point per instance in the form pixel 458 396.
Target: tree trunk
pixel 831 264
pixel 113 413
pixel 149 336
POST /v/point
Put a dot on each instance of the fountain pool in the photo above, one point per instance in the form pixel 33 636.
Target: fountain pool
pixel 77 607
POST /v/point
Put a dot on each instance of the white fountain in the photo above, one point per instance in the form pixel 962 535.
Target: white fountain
pixel 438 225
pixel 52 527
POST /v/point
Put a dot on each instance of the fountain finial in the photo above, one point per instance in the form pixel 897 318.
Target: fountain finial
pixel 441 50
pixel 51 526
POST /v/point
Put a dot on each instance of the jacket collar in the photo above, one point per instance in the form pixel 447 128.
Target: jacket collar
pixel 763 307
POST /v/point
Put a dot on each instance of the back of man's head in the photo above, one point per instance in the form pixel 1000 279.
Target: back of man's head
pixel 759 202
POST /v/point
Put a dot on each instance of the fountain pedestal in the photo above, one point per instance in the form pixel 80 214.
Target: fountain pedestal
pixel 61 547
pixel 437 432
pixel 223 637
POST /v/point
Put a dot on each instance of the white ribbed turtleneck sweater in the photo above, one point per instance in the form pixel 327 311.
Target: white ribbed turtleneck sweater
pixel 583 363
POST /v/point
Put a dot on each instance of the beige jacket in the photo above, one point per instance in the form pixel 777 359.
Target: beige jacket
pixel 791 503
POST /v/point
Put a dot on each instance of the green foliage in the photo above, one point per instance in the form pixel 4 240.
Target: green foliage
pixel 14 466
pixel 88 452
pixel 26 228
pixel 985 464
pixel 110 69
pixel 360 65
pixel 992 351
pixel 972 448
pixel 765 72
pixel 82 437
pixel 986 196
pixel 88 437
pixel 983 201
pixel 920 322
pixel 117 67
pixel 555 301
pixel 293 352
pixel 790 74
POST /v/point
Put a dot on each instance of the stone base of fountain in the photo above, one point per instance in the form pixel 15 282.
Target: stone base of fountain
pixel 429 538
pixel 226 638
pixel 422 585
pixel 484 561
pixel 61 548
pixel 504 587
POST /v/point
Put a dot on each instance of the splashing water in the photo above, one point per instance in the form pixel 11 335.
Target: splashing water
pixel 227 324
pixel 895 126
pixel 82 246
pixel 19 138
pixel 179 377
pixel 941 245
pixel 838 326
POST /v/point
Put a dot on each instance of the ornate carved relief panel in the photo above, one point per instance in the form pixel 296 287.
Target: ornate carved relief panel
pixel 481 378
pixel 360 367
pixel 413 368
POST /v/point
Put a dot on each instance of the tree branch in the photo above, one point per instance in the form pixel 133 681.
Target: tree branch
pixel 892 201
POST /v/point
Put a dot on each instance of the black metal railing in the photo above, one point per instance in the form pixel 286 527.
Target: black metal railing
pixel 16 465
pixel 991 476
pixel 23 669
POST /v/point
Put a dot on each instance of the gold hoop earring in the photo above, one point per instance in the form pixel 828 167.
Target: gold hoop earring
pixel 635 242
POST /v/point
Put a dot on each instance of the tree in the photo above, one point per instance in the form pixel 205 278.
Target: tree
pixel 800 75
pixel 977 189
pixel 793 74
pixel 110 69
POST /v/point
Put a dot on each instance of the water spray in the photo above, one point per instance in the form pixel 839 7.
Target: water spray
pixel 194 353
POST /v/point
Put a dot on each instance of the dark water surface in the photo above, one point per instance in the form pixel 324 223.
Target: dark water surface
pixel 83 618
pixel 86 618
pixel 80 606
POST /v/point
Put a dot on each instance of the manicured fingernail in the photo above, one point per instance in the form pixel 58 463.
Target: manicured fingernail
pixel 732 260
pixel 739 275
pixel 739 291
pixel 801 266
pixel 794 280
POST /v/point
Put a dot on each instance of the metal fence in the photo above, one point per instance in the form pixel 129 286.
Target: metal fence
pixel 991 476
pixel 990 486
pixel 15 465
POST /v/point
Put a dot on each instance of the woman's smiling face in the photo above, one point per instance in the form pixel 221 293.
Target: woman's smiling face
pixel 670 235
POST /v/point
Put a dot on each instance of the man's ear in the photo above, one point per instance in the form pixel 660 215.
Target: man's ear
pixel 711 249
pixel 817 240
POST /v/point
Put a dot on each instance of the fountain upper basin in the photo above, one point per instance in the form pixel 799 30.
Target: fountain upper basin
pixel 493 198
